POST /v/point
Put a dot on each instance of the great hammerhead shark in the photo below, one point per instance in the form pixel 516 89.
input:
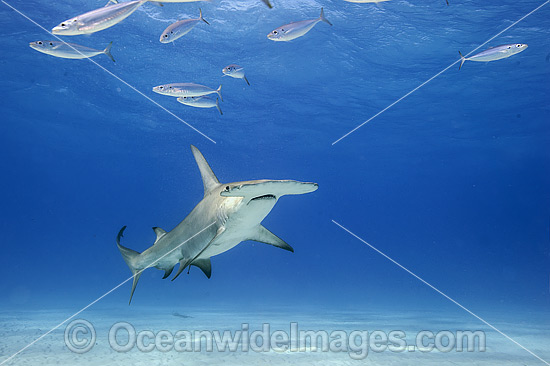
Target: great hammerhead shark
pixel 227 215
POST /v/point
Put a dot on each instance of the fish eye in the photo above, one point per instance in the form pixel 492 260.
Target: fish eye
pixel 51 43
pixel 166 36
pixel 274 32
pixel 518 45
pixel 161 87
pixel 63 24
pixel 39 42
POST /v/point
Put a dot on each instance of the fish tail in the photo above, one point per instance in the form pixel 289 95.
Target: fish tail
pixel 219 91
pixel 245 79
pixel 462 59
pixel 218 106
pixel 322 17
pixel 201 18
pixel 107 51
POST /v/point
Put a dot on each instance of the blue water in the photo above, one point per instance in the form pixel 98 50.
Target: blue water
pixel 453 182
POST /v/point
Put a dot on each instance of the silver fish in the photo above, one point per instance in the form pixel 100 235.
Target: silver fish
pixel 99 19
pixel 186 90
pixel 235 71
pixel 201 102
pixel 294 30
pixel 180 28
pixel 495 53
pixel 69 50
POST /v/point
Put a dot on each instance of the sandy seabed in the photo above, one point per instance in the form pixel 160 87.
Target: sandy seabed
pixel 18 328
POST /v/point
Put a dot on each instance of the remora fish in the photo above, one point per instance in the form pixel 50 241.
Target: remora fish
pixel 69 50
pixel 495 53
pixel 200 102
pixel 180 28
pixel 235 71
pixel 186 90
pixel 294 30
pixel 99 19
pixel 227 215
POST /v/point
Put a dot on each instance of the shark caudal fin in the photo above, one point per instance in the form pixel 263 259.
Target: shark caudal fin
pixel 130 257
pixel 322 17
pixel 209 179
pixel 462 60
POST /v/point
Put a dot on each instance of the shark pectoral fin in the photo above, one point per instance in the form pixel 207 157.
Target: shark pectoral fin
pixel 167 272
pixel 263 235
pixel 184 262
pixel 160 233
pixel 205 265
pixel 209 179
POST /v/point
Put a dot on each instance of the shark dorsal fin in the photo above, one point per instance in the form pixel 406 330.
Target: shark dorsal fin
pixel 209 179
pixel 160 233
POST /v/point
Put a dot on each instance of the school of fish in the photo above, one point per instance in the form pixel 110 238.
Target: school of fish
pixel 188 93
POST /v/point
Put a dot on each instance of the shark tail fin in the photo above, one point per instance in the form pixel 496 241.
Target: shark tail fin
pixel 201 18
pixel 107 51
pixel 130 256
pixel 209 179
pixel 462 59
pixel 322 17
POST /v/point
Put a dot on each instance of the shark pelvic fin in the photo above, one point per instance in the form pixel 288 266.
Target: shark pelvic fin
pixel 209 179
pixel 130 257
pixel 184 262
pixel 167 272
pixel 263 235
pixel 205 265
pixel 160 233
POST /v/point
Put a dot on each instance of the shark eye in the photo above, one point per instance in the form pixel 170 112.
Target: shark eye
pixel 227 188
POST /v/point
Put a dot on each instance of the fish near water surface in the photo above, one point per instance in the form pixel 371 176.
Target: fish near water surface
pixel 294 30
pixel 180 28
pixel 235 71
pixel 69 50
pixel 494 53
pixel 99 19
pixel 201 102
pixel 186 90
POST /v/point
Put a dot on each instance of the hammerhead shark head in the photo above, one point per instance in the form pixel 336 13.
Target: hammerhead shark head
pixel 227 215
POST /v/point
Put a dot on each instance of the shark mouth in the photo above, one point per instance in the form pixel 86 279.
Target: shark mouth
pixel 264 197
